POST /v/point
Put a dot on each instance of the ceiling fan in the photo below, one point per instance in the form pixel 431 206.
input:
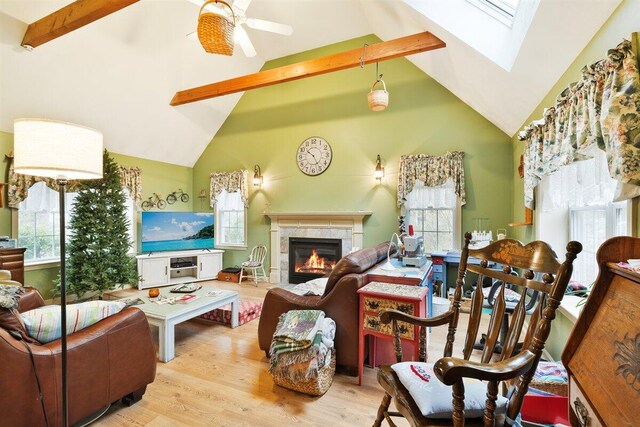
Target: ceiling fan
pixel 240 35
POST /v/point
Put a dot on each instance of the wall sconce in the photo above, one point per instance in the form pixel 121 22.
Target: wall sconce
pixel 257 176
pixel 379 173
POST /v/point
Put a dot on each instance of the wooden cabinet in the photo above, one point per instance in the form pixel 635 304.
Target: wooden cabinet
pixel 376 297
pixel 208 266
pixel 12 259
pixel 602 355
pixel 172 268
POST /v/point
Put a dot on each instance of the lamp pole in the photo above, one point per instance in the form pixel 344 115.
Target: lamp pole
pixel 62 183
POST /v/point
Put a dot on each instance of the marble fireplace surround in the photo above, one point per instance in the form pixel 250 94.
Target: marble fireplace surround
pixel 332 225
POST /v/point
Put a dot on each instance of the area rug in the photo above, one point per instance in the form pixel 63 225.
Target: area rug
pixel 247 311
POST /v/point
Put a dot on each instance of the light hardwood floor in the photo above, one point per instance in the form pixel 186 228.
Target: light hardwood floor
pixel 219 378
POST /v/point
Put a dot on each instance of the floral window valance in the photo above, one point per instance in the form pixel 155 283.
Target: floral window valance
pixel 131 179
pixel 433 171
pixel 601 111
pixel 19 184
pixel 230 181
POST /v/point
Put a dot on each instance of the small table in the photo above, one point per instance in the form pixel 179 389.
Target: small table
pixel 441 261
pixel 166 316
pixel 414 276
pixel 376 297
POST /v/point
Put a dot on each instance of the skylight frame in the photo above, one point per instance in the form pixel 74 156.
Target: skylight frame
pixel 502 10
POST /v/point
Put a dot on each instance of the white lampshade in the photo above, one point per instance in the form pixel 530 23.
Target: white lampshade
pixel 55 149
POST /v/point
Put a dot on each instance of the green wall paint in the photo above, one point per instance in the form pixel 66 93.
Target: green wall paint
pixel 268 124
pixel 157 177
pixel 619 25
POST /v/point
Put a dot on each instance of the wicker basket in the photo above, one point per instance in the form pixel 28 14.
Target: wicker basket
pixel 378 99
pixel 553 387
pixel 215 31
pixel 315 387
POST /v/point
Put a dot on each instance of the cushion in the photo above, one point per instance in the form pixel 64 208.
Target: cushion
pixel 312 287
pixel 435 398
pixel 43 324
pixel 251 264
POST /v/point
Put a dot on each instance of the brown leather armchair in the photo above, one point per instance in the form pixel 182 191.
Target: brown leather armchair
pixel 111 360
pixel 339 302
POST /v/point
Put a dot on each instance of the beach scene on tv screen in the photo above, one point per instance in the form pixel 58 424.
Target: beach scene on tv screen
pixel 176 231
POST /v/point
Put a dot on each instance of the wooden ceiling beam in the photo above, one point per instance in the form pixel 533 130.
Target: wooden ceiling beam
pixel 378 52
pixel 70 18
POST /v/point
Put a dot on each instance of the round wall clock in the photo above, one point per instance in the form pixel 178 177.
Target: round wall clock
pixel 314 156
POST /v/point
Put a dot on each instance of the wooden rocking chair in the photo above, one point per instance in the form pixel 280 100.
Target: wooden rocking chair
pixel 430 383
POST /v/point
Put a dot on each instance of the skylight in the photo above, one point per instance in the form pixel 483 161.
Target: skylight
pixel 494 28
pixel 502 10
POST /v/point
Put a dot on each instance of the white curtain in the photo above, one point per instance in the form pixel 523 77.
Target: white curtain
pixel 43 199
pixel 584 183
pixel 230 201
pixel 422 197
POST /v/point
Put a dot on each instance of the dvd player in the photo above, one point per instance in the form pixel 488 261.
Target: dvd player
pixel 182 264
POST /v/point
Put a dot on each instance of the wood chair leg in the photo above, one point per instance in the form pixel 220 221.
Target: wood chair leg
pixel 382 410
pixel 241 271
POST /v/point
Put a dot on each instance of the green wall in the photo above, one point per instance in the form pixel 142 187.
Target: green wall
pixel 620 25
pixel 268 124
pixel 158 177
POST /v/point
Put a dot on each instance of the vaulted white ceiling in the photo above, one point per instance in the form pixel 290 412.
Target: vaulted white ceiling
pixel 118 74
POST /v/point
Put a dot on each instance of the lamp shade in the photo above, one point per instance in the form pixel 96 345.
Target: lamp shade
pixel 55 149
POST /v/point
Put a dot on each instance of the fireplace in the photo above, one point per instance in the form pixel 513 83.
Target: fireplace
pixel 312 258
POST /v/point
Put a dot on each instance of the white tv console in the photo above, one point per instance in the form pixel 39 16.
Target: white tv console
pixel 155 268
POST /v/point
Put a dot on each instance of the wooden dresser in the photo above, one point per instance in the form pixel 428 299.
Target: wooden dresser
pixel 12 259
pixel 602 355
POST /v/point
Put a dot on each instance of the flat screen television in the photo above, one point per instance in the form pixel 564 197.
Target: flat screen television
pixel 177 231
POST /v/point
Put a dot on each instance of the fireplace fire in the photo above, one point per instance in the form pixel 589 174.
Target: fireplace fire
pixel 315 264
pixel 312 258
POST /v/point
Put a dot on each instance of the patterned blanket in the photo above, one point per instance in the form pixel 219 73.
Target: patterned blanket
pixel 297 351
pixel 299 326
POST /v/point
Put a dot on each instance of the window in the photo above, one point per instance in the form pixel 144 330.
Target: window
pixel 39 223
pixel 434 213
pixel 575 203
pixel 591 226
pixel 502 10
pixel 231 224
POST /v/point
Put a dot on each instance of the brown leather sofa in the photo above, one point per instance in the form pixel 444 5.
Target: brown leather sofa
pixel 339 302
pixel 111 360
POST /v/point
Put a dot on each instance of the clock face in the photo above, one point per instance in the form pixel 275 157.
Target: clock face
pixel 314 156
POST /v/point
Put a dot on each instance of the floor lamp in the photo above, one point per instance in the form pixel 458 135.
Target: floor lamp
pixel 61 151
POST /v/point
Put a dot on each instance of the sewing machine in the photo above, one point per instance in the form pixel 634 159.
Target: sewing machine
pixel 414 251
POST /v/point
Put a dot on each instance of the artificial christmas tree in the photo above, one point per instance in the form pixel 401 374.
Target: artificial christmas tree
pixel 97 258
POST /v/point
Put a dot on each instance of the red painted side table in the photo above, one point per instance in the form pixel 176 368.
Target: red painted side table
pixel 376 297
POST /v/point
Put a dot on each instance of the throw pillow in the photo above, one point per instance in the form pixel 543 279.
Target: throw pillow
pixel 434 398
pixel 10 319
pixel 43 324
pixel 312 287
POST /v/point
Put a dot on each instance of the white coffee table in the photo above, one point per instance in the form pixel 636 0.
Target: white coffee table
pixel 167 316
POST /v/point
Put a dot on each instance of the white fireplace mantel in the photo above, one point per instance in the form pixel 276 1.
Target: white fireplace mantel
pixel 352 220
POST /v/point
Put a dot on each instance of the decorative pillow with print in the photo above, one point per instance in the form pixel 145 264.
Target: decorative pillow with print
pixel 433 398
pixel 43 324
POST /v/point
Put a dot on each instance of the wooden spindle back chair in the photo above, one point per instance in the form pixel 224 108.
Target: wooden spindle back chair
pixel 535 259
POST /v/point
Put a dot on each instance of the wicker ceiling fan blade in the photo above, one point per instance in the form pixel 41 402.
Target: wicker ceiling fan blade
pixel 270 26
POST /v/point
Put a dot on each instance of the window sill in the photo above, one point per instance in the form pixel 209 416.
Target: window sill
pixel 568 307
pixel 41 265
pixel 232 247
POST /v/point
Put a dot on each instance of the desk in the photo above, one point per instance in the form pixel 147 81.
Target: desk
pixel 441 260
pixel 376 297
